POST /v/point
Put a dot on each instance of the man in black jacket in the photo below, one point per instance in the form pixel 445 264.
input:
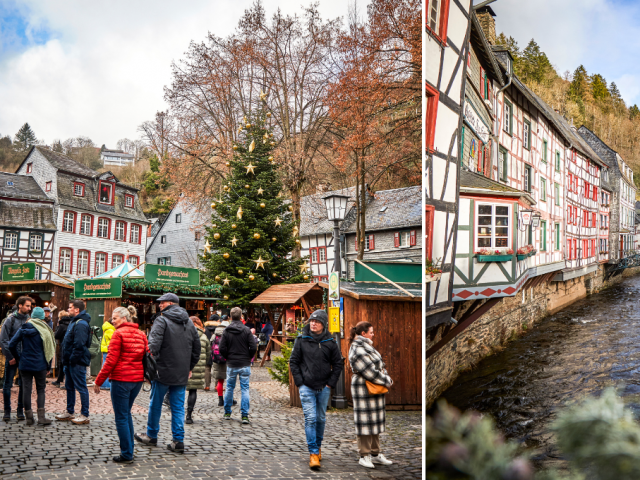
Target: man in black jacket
pixel 316 364
pixel 10 327
pixel 238 346
pixel 175 346
pixel 76 358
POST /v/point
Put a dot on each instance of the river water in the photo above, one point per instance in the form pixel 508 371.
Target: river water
pixel 579 351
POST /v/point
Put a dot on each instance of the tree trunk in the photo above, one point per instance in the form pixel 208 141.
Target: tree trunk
pixel 295 203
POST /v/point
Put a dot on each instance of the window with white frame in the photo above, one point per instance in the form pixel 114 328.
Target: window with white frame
pixel 405 239
pixel 103 227
pixel 163 239
pixel 47 186
pixel 314 255
pixel 78 189
pixel 35 243
pixel 133 260
pixel 85 225
pixel 128 201
pixel 101 263
pixel 135 234
pixel 116 260
pixel 11 241
pixel 120 230
pixel 492 226
pixel 178 218
pixel 68 220
pixel 433 15
pixel 507 121
pixel 322 254
pixel 65 260
pixel 526 134
pixel 83 262
pixel 164 261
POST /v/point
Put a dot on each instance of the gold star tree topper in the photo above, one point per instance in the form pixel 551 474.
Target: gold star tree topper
pixel 234 241
pixel 260 262
pixel 263 96
pixel 277 221
pixel 239 213
pixel 304 267
pixel 250 169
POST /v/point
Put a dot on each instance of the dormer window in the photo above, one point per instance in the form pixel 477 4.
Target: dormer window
pixel 78 189
pixel 128 200
pixel 29 167
pixel 47 187
pixel 106 193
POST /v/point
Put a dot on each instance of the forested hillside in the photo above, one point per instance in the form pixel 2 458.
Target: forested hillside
pixel 586 98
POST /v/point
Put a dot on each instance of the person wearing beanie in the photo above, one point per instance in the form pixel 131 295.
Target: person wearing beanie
pixel 34 361
pixel 316 364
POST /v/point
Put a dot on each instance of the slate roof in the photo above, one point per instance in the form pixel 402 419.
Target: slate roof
pixel 403 209
pixel 313 214
pixel 23 187
pixel 32 215
pixel 471 182
pixel 62 162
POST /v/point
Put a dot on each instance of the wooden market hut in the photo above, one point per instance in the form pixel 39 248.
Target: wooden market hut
pixel 45 293
pixel 396 319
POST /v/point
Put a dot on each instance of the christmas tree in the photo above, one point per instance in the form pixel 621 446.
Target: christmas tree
pixel 252 233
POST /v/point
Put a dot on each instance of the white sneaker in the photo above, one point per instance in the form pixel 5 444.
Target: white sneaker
pixel 66 416
pixel 381 459
pixel 80 420
pixel 366 462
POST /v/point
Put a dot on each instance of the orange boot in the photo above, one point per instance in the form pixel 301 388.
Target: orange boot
pixel 314 461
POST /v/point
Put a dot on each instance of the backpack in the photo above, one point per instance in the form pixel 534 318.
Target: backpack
pixel 94 343
pixel 215 350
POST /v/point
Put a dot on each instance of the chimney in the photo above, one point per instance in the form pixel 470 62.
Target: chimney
pixel 488 23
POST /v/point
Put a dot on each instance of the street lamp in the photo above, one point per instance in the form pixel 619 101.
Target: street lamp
pixel 336 205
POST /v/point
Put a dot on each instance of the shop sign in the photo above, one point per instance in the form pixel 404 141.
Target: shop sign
pixel 16 272
pixel 334 286
pixel 172 275
pixel 98 288
pixel 475 122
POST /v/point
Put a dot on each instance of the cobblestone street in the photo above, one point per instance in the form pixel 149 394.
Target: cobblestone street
pixel 273 446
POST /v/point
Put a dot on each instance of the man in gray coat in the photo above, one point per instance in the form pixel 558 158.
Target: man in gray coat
pixel 10 327
pixel 175 346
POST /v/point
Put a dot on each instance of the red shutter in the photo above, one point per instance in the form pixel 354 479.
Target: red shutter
pixel 593 219
pixel 482 83
pixel 412 238
pixel 595 193
pixel 396 239
pixel 372 243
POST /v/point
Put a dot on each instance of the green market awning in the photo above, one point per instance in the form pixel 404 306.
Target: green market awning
pixel 139 286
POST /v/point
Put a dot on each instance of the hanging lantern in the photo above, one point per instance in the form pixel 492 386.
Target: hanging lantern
pixel 256 236
pixel 225 255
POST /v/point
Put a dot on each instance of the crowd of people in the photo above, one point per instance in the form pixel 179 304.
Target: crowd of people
pixel 187 355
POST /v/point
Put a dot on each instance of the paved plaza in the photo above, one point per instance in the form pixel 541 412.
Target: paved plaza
pixel 273 446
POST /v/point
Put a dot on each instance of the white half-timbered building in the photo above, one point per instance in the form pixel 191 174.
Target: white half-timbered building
pixel 27 223
pixel 446 50
pixel 99 220
pixel 316 233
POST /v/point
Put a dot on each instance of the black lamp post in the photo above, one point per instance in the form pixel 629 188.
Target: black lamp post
pixel 336 205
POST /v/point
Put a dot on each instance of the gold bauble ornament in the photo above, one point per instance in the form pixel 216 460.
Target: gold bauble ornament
pixel 248 125
pixel 240 272
pixel 256 236
pixel 271 158
pixel 228 164
pixel 225 255
pixel 297 241
pixel 306 277
pixel 268 114
pixel 275 275
pixel 217 278
pixel 214 225
pixel 234 226
pixel 271 134
pixel 226 297
pixel 290 208
pixel 272 143
pixel 216 236
pixel 235 147
pixel 247 187
pixel 273 239
pixel 251 277
pixel 262 205
pixel 213 205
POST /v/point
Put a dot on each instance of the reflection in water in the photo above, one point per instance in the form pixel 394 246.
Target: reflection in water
pixel 592 344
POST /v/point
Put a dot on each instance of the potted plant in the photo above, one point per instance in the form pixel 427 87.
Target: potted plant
pixel 485 255
pixel 432 272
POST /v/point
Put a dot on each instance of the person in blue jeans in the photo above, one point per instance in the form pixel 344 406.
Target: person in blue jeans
pixel 175 346
pixel 237 346
pixel 76 359
pixel 316 363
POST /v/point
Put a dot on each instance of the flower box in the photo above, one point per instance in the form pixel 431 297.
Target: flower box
pixel 432 277
pixel 493 258
pixel 522 257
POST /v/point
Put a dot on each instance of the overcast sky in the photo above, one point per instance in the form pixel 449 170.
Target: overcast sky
pixel 97 68
pixel 602 35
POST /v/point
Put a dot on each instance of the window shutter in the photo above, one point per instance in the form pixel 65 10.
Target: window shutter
pixel 593 219
pixel 356 240
pixel 482 83
pixel 372 243
pixel 412 238
pixel 489 89
pixel 396 239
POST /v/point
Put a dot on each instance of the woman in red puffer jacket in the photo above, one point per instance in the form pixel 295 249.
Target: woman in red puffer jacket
pixel 123 367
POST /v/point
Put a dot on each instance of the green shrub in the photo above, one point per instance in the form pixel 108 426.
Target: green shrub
pixel 280 370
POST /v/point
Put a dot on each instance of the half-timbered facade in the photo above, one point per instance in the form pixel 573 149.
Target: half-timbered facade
pixel 446 50
pixel 604 223
pixel 99 221
pixel 619 178
pixel 27 224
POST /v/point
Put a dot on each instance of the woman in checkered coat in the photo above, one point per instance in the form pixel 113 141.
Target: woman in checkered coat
pixel 368 410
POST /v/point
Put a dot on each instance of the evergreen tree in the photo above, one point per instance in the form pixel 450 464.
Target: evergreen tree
pixel 579 85
pixel 57 146
pixel 634 112
pixel 599 88
pixel 24 139
pixel 535 66
pixel 252 230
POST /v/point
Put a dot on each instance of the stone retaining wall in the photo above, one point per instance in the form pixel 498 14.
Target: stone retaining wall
pixel 507 320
